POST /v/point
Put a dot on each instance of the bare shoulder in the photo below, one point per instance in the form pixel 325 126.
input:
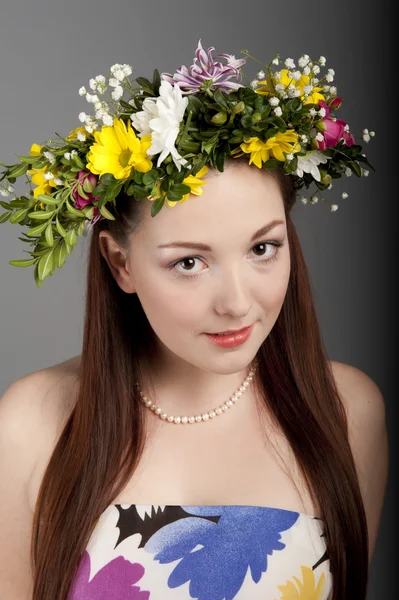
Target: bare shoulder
pixel 31 416
pixel 365 409
pixel 34 410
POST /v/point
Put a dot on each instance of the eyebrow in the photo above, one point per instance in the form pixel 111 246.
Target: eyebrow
pixel 206 248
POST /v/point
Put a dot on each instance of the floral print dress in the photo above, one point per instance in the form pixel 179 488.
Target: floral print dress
pixel 228 552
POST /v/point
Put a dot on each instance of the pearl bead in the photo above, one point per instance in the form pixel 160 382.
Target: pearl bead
pixel 206 416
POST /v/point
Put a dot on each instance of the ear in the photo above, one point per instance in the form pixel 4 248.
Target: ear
pixel 117 261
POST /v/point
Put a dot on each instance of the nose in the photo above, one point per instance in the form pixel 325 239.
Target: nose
pixel 232 295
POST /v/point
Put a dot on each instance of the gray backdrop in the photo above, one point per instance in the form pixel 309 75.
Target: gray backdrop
pixel 49 48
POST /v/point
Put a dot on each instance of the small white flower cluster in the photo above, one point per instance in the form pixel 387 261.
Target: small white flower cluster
pixel 6 191
pixel 118 81
pixel 70 155
pixel 367 134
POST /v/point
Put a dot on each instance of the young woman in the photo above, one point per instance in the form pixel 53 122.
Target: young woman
pixel 203 445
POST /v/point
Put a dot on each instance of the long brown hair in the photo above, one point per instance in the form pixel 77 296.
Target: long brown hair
pixel 106 426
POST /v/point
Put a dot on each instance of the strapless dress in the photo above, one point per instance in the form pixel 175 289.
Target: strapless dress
pixel 203 552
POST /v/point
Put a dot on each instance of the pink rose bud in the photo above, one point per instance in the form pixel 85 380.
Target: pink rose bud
pixel 333 130
pixel 81 202
pixel 336 103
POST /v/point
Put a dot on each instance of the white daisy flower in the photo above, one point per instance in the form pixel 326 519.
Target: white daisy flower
pixel 100 79
pixel 10 187
pixel 308 89
pixel 309 162
pixel 304 138
pixel 74 153
pixel 161 117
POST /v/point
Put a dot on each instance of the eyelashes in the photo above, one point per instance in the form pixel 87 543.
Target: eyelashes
pixel 267 260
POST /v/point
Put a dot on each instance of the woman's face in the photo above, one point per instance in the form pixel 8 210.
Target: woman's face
pixel 239 279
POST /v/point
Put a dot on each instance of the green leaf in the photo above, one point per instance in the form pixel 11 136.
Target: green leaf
pixel 68 248
pixel 5 216
pixel 157 205
pixel 220 99
pixel 18 203
pixel 210 144
pixel 272 163
pixel 355 167
pixel 181 188
pixel 145 84
pixel 156 82
pixel 150 177
pixel 78 161
pixel 60 254
pixel 106 214
pixel 59 227
pixel 45 265
pixel 36 276
pixel 22 263
pixel 18 170
pixel 5 205
pixel 46 199
pixel 49 234
pixel 41 214
pixel 71 238
pixel 36 230
pixel 107 179
pixel 87 185
pixel 18 215
pixel 74 211
pixel 174 196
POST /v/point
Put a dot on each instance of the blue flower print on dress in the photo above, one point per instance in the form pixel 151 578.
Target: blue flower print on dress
pixel 215 556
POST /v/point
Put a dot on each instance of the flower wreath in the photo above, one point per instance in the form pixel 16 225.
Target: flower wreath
pixel 157 139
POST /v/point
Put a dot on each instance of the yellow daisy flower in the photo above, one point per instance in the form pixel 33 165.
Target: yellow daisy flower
pixel 43 186
pixel 267 87
pixel 308 590
pixel 274 146
pixel 117 150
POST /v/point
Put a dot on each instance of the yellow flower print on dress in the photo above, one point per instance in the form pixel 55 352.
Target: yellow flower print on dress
pixel 306 590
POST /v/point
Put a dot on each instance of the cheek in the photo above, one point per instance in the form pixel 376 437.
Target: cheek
pixel 169 303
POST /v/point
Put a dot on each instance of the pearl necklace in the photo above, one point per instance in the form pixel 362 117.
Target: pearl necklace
pixel 206 416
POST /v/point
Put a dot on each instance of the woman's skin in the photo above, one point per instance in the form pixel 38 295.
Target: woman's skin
pixel 236 458
pixel 238 282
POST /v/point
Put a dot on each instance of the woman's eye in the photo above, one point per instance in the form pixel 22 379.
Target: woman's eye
pixel 260 250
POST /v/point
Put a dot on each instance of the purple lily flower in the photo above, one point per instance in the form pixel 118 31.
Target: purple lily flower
pixel 208 74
